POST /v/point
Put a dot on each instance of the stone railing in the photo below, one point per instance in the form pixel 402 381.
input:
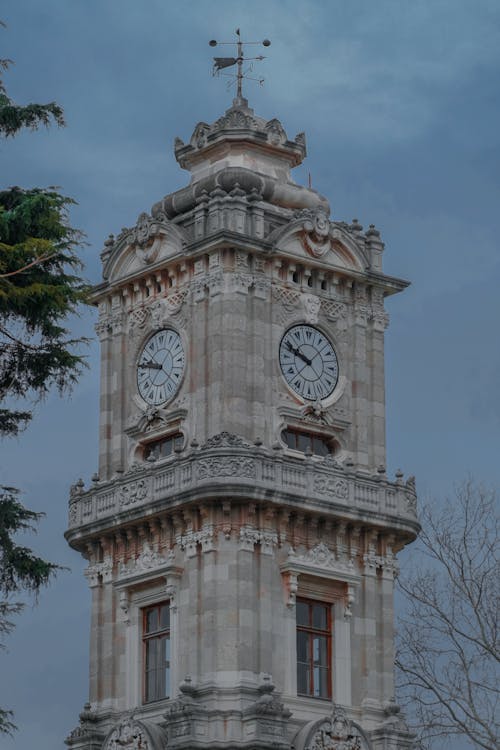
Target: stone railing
pixel 244 472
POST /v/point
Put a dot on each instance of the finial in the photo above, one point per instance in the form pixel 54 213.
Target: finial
pixel 226 62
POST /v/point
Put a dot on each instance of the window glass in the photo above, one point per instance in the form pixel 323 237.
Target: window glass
pixel 306 441
pixel 319 616
pixel 151 620
pixel 156 643
pixel 313 648
pixel 164 616
pixel 302 613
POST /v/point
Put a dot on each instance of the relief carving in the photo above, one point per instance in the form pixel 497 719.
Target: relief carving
pixel 226 467
pixel 133 493
pixel 129 734
pixel 336 733
pixel 225 440
pixel 316 235
pixel 325 485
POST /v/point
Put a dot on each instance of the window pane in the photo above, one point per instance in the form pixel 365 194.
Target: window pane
pixel 164 617
pixel 166 683
pixel 303 646
pixel 166 447
pixel 303 679
pixel 304 442
pixel 320 650
pixel 151 620
pixel 289 438
pixel 150 685
pixel 320 448
pixel 320 683
pixel 302 613
pixel 319 616
pixel 151 654
pixel 165 650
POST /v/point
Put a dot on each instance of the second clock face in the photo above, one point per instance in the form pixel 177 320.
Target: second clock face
pixel 308 362
pixel 160 367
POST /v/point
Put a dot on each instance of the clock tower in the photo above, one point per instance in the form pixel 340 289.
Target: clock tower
pixel 241 532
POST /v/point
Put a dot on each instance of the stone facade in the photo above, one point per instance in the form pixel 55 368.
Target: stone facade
pixel 232 526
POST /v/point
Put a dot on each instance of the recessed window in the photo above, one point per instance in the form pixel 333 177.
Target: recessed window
pixel 314 649
pixel 156 652
pixel 163 447
pixel 308 442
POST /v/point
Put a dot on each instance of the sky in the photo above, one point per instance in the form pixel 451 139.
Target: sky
pixel 400 103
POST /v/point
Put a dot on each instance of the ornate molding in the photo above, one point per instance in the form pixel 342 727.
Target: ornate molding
pixel 99 572
pixel 225 440
pixel 250 536
pixel 131 734
pixel 320 562
pixel 332 486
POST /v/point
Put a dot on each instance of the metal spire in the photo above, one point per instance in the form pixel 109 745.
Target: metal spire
pixel 226 62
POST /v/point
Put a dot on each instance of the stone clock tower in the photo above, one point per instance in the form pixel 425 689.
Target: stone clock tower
pixel 241 532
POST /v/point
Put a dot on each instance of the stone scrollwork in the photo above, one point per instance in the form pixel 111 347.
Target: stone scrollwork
pixel 225 440
pixel 336 732
pixel 322 557
pixel 226 466
pixel 148 560
pixel 133 493
pixel 328 485
pixel 130 734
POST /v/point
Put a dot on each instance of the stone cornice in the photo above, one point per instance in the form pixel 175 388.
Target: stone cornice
pixel 243 474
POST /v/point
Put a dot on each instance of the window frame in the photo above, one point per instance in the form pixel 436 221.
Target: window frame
pixel 159 634
pixel 326 440
pixel 311 631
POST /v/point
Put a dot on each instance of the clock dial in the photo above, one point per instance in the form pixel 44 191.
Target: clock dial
pixel 160 367
pixel 308 362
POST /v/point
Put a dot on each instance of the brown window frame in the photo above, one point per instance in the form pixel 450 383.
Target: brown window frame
pixel 312 631
pixel 161 666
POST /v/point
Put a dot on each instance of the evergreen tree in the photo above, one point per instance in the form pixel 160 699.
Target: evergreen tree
pixel 39 288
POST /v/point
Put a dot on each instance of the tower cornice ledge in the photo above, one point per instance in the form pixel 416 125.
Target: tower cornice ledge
pixel 243 475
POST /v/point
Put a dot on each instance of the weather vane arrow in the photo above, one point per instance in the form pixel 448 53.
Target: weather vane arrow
pixel 220 63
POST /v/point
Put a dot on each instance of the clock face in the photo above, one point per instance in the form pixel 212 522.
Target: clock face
pixel 308 362
pixel 160 367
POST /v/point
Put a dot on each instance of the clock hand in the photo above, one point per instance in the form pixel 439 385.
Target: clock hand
pixel 152 365
pixel 298 353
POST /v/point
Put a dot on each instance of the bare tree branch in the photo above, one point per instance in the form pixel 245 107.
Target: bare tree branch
pixel 447 650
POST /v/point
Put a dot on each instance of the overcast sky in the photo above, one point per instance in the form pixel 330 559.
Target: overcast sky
pixel 400 104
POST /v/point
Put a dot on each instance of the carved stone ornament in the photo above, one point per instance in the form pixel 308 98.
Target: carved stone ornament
pixel 325 485
pixel 288 303
pixel 130 734
pixel 146 237
pixel 226 466
pixel 321 557
pixel 148 560
pixel 225 440
pixel 133 493
pixel 312 306
pixel 336 732
pixel 316 234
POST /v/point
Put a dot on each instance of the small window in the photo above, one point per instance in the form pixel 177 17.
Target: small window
pixel 308 442
pixel 314 649
pixel 163 447
pixel 156 652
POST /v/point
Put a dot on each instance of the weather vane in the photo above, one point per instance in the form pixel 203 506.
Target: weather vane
pixel 226 62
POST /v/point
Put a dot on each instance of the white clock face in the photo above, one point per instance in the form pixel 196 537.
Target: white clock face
pixel 308 362
pixel 161 367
